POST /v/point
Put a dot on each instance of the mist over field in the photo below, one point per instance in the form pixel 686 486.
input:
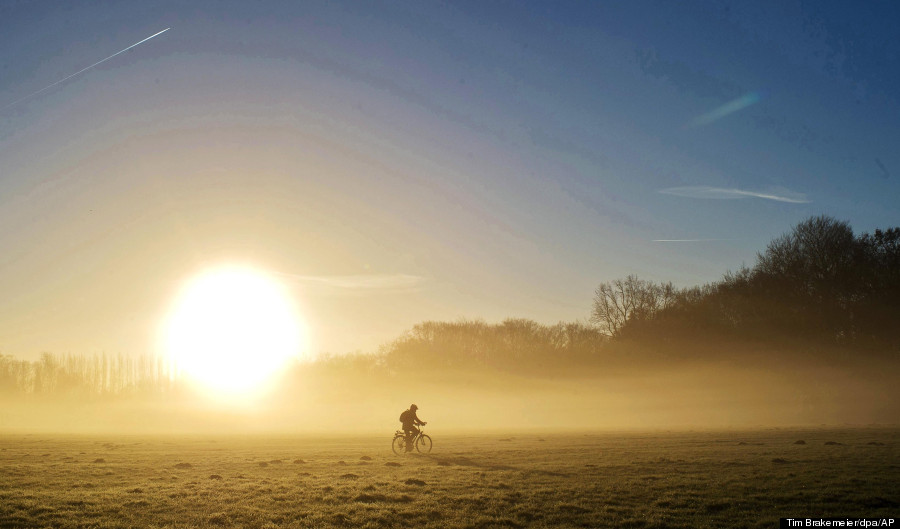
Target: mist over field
pixel 747 388
pixel 802 338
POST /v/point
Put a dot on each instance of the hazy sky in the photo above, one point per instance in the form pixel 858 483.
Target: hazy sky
pixel 405 161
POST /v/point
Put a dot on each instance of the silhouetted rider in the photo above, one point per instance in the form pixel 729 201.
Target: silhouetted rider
pixel 409 420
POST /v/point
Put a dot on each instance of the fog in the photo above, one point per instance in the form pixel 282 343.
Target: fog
pixel 806 337
pixel 361 395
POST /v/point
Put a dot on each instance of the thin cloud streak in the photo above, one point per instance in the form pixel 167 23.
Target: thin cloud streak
pixel 358 282
pixel 727 109
pixel 884 171
pixel 721 193
pixel 691 240
pixel 48 87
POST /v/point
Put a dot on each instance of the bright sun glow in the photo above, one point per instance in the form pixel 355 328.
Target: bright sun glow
pixel 232 329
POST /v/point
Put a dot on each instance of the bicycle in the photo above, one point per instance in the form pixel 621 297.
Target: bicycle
pixel 421 442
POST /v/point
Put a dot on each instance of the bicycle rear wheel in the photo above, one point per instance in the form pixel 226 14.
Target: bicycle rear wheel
pixel 399 445
pixel 423 444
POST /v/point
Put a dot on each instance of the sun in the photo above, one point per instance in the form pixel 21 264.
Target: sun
pixel 231 329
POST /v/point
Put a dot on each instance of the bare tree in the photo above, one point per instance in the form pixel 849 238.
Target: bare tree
pixel 817 258
pixel 623 300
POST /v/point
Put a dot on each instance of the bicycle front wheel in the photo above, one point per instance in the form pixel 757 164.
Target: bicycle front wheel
pixel 423 444
pixel 399 445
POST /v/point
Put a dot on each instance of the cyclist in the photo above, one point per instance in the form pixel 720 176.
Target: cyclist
pixel 409 420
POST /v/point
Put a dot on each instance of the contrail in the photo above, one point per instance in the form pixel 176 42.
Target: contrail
pixel 728 108
pixel 82 70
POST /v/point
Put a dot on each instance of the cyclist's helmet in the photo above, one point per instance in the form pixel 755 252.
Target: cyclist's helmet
pixel 413 407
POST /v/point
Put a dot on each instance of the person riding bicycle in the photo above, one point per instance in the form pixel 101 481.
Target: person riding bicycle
pixel 409 420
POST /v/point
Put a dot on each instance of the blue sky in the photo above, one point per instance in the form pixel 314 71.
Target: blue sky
pixel 403 161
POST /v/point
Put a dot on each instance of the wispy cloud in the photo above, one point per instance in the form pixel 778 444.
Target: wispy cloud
pixel 728 108
pixel 884 171
pixel 722 193
pixel 359 282
pixel 690 240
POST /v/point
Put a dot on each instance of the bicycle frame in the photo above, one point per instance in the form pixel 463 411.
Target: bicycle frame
pixel 420 441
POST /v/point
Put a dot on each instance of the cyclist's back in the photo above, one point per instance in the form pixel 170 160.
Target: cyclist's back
pixel 410 420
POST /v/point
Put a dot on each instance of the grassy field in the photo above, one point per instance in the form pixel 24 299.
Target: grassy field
pixel 725 479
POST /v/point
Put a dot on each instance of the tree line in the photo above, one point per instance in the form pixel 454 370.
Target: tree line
pixel 818 283
pixel 515 345
pixel 86 375
pixel 518 345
